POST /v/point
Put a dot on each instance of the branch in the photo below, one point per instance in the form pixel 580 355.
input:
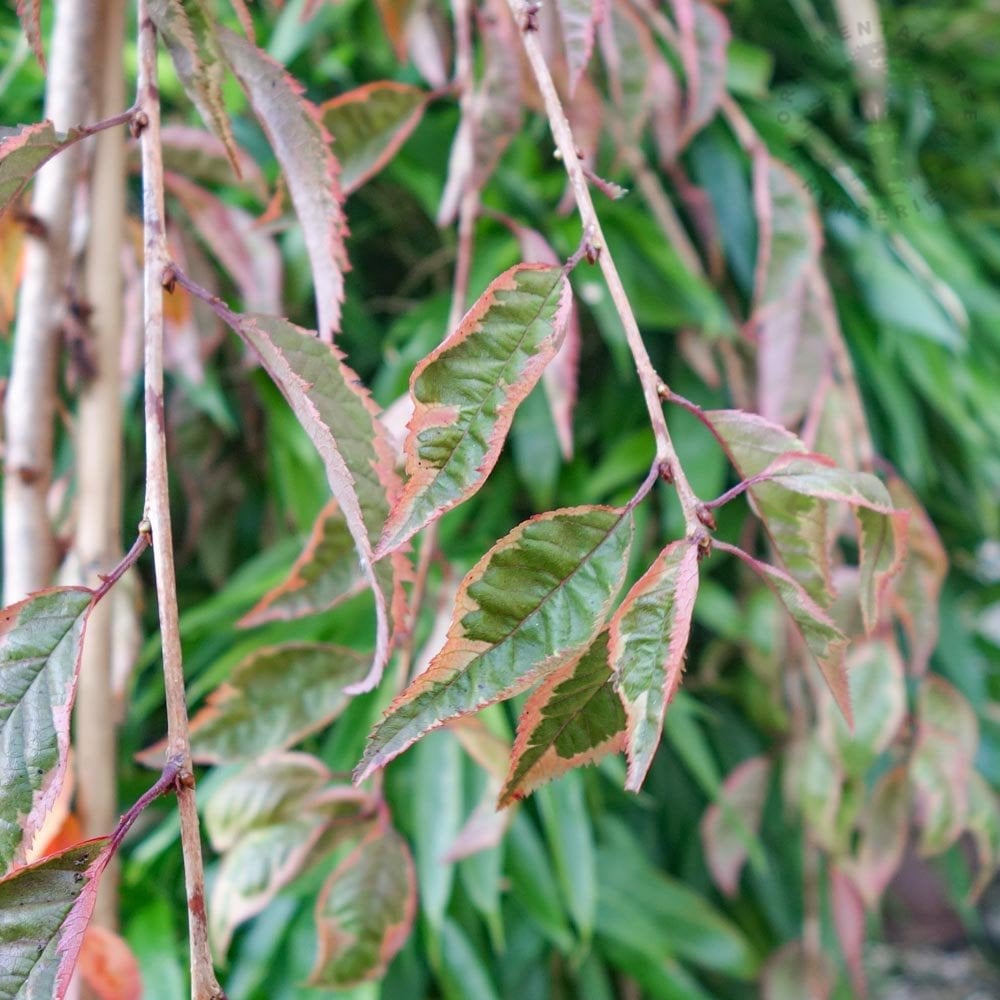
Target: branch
pixel 652 384
pixel 204 985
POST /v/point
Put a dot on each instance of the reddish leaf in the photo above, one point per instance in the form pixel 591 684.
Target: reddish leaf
pixel 303 149
pixel 243 16
pixel 394 14
pixel 365 911
pixel 704 40
pixel 648 642
pixel 369 125
pixel 202 156
pixel 427 40
pixel 23 151
pixel 883 834
pixel 485 828
pixel 848 911
pixel 942 708
pixel 726 825
pixel 29 13
pixel 578 20
pixel 467 389
pixel 531 604
pixel 325 574
pixel 630 56
pixel 574 718
pixel 108 967
pixel 941 775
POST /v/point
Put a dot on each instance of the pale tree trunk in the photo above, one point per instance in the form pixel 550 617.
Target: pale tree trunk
pixel 98 451
pixel 28 544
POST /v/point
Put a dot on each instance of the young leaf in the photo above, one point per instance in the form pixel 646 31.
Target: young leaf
pixel 574 718
pixel 29 13
pixel 369 124
pixel 188 29
pixel 365 912
pixel 725 825
pixel 467 389
pixel 531 604
pixel 649 637
pixel 341 421
pixel 41 639
pixel 23 151
pixel 325 574
pixel 578 20
pixel 823 639
pixel 302 146
pixel 44 909
pixel 274 699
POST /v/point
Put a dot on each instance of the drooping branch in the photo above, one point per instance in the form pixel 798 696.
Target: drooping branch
pixel 652 384
pixel 204 985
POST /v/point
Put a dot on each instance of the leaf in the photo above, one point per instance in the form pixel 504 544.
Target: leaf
pixel 29 13
pixel 466 391
pixel 108 967
pixel 648 640
pixel 578 20
pixel 823 639
pixel 202 156
pixel 631 58
pixel 882 837
pixel 189 32
pixel 325 574
pixel 531 604
pixel 302 147
pixel 574 718
pixel 726 823
pixel 364 912
pixel 274 699
pixel 44 909
pixel 941 775
pixel 369 124
pixel 942 708
pixel 848 911
pixel 340 419
pixel 41 639
pixel 704 40
pixel 984 825
pixel 790 975
pixel 24 150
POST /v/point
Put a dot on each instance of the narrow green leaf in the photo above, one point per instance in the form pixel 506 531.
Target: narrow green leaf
pixel 532 603
pixel 364 912
pixel 465 393
pixel 325 574
pixel 274 699
pixel 369 124
pixel 574 718
pixel 649 637
pixel 23 151
pixel 44 909
pixel 40 644
pixel 463 972
pixel 188 29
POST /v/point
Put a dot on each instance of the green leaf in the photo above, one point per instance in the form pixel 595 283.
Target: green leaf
pixel 274 699
pixel 574 718
pixel 942 708
pixel 341 421
pixel 984 825
pixel 364 912
pixel 44 909
pixel 23 151
pixel 323 576
pixel 188 29
pixel 883 835
pixel 368 126
pixel 578 20
pixel 531 604
pixel 466 391
pixel 303 149
pixel 463 971
pixel 648 640
pixel 40 644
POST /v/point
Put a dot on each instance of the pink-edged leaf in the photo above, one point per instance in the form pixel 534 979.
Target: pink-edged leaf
pixel 44 910
pixel 325 574
pixel 273 699
pixel 823 639
pixel 490 751
pixel 648 642
pixel 704 39
pixel 41 639
pixel 244 17
pixel 942 708
pixel 796 523
pixel 201 156
pixel 394 15
pixel 189 31
pixel 23 151
pixel 485 828
pixel 941 774
pixel 29 13
pixel 562 372
pixel 728 824
pixel 341 420
pixel 790 974
pixel 369 125
pixel 630 57
pixel 427 40
pixel 467 390
pixel 108 966
pixel 882 837
pixel 984 825
pixel 303 149
pixel 812 778
pixel 848 911
pixel 531 604
pixel 578 20
pixel 365 911
pixel 574 718
pixel 249 255
pixel 916 590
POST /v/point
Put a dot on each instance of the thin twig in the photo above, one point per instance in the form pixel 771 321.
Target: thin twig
pixel 651 383
pixel 204 985
pixel 167 781
pixel 128 560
